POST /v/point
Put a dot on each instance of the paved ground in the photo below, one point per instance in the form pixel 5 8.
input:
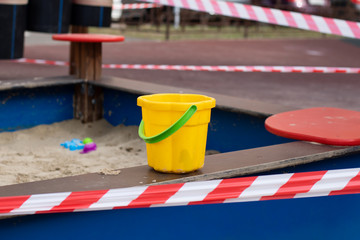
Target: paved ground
pixel 299 90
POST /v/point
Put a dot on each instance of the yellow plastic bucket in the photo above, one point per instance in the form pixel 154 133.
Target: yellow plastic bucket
pixel 174 127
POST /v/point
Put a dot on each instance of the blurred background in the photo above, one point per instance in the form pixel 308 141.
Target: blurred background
pixel 179 24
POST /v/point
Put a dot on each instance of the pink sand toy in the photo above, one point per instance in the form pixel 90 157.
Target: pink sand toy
pixel 89 146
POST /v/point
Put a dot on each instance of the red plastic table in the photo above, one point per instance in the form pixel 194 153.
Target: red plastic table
pixel 86 52
pixel 333 126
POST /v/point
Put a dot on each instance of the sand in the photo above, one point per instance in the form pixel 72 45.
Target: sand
pixel 35 154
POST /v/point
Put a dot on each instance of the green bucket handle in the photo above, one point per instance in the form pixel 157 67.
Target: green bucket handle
pixel 171 130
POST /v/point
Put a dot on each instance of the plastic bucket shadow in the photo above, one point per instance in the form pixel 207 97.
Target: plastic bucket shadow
pixel 12 28
pixel 174 127
pixel 96 13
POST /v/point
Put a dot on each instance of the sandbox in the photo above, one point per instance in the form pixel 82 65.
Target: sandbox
pixel 36 112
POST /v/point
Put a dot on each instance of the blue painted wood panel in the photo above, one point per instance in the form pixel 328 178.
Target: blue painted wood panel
pixel 121 107
pixel 232 131
pixel 28 107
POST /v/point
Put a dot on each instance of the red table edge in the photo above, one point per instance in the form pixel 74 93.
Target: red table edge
pixel 87 37
pixel 307 138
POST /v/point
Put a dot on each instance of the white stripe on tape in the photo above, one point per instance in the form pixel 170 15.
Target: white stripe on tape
pixel 331 181
pixel 344 28
pixel 224 8
pixel 41 202
pixel 192 4
pixel 300 21
pixel 118 198
pixel 243 13
pixel 209 7
pixel 261 16
pixel 192 192
pixel 280 18
pixel 321 24
pixel 262 186
pixel 178 3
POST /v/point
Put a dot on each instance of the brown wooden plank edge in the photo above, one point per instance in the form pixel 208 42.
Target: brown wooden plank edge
pixel 225 165
pixel 38 82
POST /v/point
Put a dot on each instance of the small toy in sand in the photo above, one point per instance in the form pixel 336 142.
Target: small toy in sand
pixel 74 144
pixel 87 140
pixel 89 145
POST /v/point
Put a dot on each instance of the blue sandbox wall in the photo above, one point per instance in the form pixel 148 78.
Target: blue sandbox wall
pixel 28 107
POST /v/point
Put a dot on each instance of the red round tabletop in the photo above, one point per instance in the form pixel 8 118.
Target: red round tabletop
pixel 333 126
pixel 87 37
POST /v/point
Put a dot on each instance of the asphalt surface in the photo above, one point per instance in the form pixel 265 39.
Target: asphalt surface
pixel 298 90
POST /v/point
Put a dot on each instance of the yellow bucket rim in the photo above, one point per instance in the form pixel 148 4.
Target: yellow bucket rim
pixel 149 101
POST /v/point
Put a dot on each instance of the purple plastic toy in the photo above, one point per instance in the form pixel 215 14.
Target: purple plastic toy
pixel 89 147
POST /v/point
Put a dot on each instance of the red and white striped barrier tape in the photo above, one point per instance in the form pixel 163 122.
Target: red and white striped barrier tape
pixel 269 15
pixel 41 62
pixel 278 69
pixel 270 187
pixel 135 6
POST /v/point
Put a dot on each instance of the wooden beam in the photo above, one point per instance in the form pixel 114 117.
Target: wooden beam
pixel 86 63
pixel 74 50
pixel 88 102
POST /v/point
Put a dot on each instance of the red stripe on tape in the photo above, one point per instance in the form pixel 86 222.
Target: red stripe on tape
pixel 228 188
pixel 310 22
pixel 185 4
pixel 233 9
pixel 216 7
pixel 354 28
pixel 298 183
pixel 200 5
pixel 77 200
pixel 333 28
pixel 158 194
pixel 270 16
pixel 290 19
pixel 218 69
pixel 7 204
pixel 251 12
